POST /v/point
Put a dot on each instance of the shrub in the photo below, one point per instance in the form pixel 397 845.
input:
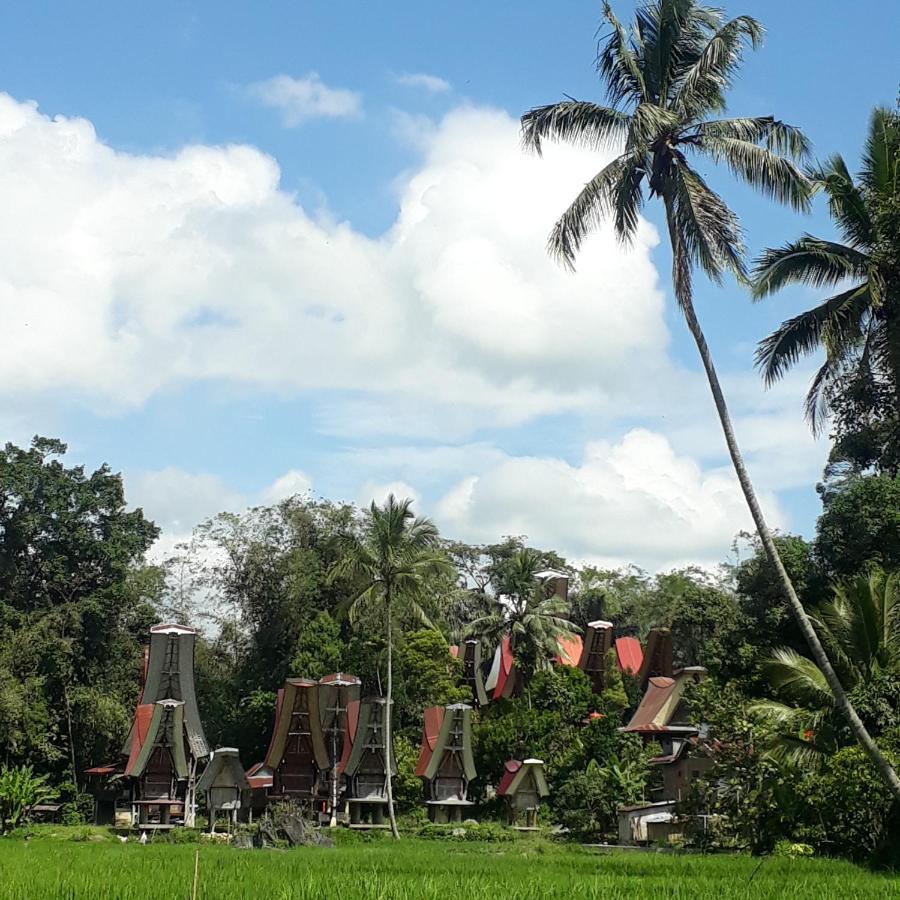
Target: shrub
pixel 857 815
pixel 20 790
pixel 488 832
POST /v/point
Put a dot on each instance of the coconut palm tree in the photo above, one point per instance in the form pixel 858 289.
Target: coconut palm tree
pixel 666 80
pixel 860 629
pixel 859 326
pixel 532 616
pixel 389 567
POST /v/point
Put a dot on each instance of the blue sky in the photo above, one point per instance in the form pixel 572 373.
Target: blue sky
pixel 364 302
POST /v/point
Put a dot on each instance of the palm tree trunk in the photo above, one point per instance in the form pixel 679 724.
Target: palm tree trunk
pixel 809 633
pixel 388 716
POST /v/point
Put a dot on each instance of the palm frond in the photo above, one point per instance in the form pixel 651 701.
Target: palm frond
pixel 846 202
pixel 618 65
pixel 839 320
pixel 576 122
pixel 616 185
pixel 809 260
pixel 880 174
pixel 768 172
pixel 710 231
pixel 702 86
pixel 775 135
pixel 798 678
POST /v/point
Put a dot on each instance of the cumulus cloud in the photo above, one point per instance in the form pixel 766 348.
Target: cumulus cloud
pixel 122 275
pixel 301 99
pixel 178 500
pixel 125 275
pixel 288 485
pixel 634 500
pixel 373 492
pixel 431 83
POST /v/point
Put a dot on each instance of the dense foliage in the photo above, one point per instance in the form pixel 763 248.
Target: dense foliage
pixel 270 593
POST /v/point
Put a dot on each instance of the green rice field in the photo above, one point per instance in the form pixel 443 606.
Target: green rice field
pixel 42 869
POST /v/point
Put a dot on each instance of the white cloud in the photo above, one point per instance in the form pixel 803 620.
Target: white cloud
pixel 635 500
pixel 374 492
pixel 125 275
pixel 456 311
pixel 178 500
pixel 431 83
pixel 301 99
pixel 291 483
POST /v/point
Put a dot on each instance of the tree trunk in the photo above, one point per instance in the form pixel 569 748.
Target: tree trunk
pixel 809 633
pixel 71 734
pixel 388 716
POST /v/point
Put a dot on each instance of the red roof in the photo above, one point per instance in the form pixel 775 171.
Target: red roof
pixel 506 665
pixel 510 767
pixel 434 718
pixel 629 654
pixel 142 717
pixel 570 647
pixel 102 770
pixel 257 782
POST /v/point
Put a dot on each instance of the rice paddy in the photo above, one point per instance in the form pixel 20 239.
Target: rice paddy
pixel 42 869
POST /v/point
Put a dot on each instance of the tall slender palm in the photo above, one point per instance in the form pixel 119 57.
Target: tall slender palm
pixel 666 80
pixel 532 617
pixel 388 567
pixel 860 628
pixel 859 326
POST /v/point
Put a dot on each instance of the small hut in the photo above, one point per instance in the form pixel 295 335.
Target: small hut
pixel 523 786
pixel 365 763
pixel 225 785
pixel 445 761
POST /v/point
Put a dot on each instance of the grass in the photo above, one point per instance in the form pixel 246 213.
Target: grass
pixel 94 867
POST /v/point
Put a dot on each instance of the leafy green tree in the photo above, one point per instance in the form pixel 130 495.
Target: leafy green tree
pixel 319 648
pixel 666 81
pixel 764 609
pixel 860 525
pixel 754 802
pixel 389 566
pixel 426 675
pixel 587 801
pixel 623 596
pixel 856 813
pixel 274 572
pixel 531 615
pixel 859 326
pixel 704 619
pixel 70 554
